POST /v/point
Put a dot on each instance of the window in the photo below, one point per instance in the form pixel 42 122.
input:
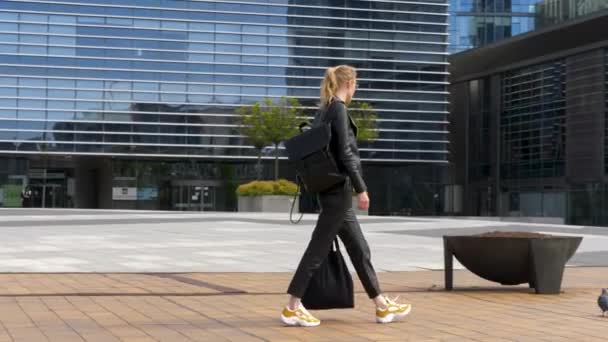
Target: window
pixel 533 121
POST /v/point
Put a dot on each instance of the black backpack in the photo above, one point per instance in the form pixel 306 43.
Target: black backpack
pixel 310 153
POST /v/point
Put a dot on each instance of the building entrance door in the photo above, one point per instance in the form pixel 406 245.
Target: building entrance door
pixel 192 196
pixel 47 188
pixel 47 196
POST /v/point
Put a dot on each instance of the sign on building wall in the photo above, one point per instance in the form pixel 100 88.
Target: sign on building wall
pixel 124 194
pixel 147 193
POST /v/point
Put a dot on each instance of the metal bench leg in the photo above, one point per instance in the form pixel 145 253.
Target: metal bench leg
pixel 448 264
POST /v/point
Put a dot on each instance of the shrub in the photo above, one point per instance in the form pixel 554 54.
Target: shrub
pixel 267 188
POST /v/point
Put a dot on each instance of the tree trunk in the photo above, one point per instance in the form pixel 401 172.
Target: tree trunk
pixel 276 161
pixel 258 167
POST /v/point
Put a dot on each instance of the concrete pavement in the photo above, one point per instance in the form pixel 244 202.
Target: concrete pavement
pixel 170 276
pixel 44 240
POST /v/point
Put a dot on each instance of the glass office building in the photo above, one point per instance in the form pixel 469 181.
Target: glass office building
pixel 131 104
pixel 475 23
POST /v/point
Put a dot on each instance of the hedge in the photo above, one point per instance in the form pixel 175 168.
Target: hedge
pixel 267 188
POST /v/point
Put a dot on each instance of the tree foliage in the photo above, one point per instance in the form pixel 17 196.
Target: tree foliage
pixel 267 123
pixel 366 120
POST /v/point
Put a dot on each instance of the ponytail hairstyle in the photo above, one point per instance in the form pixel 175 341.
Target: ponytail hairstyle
pixel 335 77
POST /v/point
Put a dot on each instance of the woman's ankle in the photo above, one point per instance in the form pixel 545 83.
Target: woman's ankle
pixel 293 303
pixel 380 302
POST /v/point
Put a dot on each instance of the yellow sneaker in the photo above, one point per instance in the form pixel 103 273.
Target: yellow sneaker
pixel 299 317
pixel 392 312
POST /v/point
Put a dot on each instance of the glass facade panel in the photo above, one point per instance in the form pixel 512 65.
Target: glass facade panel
pixel 475 23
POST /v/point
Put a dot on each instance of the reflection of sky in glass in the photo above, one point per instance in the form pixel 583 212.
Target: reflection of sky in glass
pixel 149 65
pixel 475 23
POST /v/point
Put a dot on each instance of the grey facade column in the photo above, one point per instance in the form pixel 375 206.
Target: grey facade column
pixel 495 139
pixel 585 117
pixel 459 141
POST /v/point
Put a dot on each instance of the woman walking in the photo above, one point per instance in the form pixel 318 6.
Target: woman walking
pixel 337 216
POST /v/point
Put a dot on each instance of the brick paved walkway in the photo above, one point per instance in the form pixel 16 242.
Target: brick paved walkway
pixel 201 307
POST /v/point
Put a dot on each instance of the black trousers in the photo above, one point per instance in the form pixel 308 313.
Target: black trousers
pixel 337 218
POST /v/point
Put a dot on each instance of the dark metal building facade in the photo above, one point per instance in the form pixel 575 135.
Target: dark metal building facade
pixel 529 124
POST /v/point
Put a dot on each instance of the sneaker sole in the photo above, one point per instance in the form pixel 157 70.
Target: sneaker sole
pixel 295 322
pixel 393 317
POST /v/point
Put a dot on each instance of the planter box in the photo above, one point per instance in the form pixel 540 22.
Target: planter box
pixel 537 261
pixel 279 204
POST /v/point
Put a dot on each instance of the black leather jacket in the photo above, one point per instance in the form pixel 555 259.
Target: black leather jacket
pixel 343 143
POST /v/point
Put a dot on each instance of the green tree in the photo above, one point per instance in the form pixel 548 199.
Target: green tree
pixel 281 123
pixel 366 120
pixel 270 123
pixel 251 126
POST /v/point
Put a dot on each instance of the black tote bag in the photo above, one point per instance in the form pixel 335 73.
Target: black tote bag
pixel 331 287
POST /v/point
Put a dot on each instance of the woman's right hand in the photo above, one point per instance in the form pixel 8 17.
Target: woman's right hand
pixel 363 200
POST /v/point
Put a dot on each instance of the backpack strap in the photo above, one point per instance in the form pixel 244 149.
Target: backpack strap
pixel 323 115
pixel 293 204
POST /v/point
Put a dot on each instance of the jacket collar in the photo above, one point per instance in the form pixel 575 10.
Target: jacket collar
pixel 353 125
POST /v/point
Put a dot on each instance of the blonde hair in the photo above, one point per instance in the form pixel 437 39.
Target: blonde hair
pixel 335 77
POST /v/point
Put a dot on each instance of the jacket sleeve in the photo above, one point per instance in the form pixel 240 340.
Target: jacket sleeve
pixel 340 123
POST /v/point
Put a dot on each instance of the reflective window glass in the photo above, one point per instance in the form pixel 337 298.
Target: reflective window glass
pixel 202 37
pixel 7 37
pixel 227 37
pixel 33 28
pixel 28 38
pixel 60 115
pixel 201 27
pixel 255 59
pixel 59 83
pixel 228 27
pixel 7 113
pixel 90 20
pixel 227 48
pixel 31 114
pixel 255 39
pixel 59 104
pixel 228 59
pixel 81 94
pixel 62 19
pixel 201 47
pixel 9 48
pixel 146 23
pixel 9 16
pixel 34 50
pixel 62 51
pixel 60 29
pixel 174 25
pixel 29 92
pixel 200 58
pixel 8 91
pixel 200 89
pixel 62 40
pixel 255 50
pixel 119 21
pixel 9 27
